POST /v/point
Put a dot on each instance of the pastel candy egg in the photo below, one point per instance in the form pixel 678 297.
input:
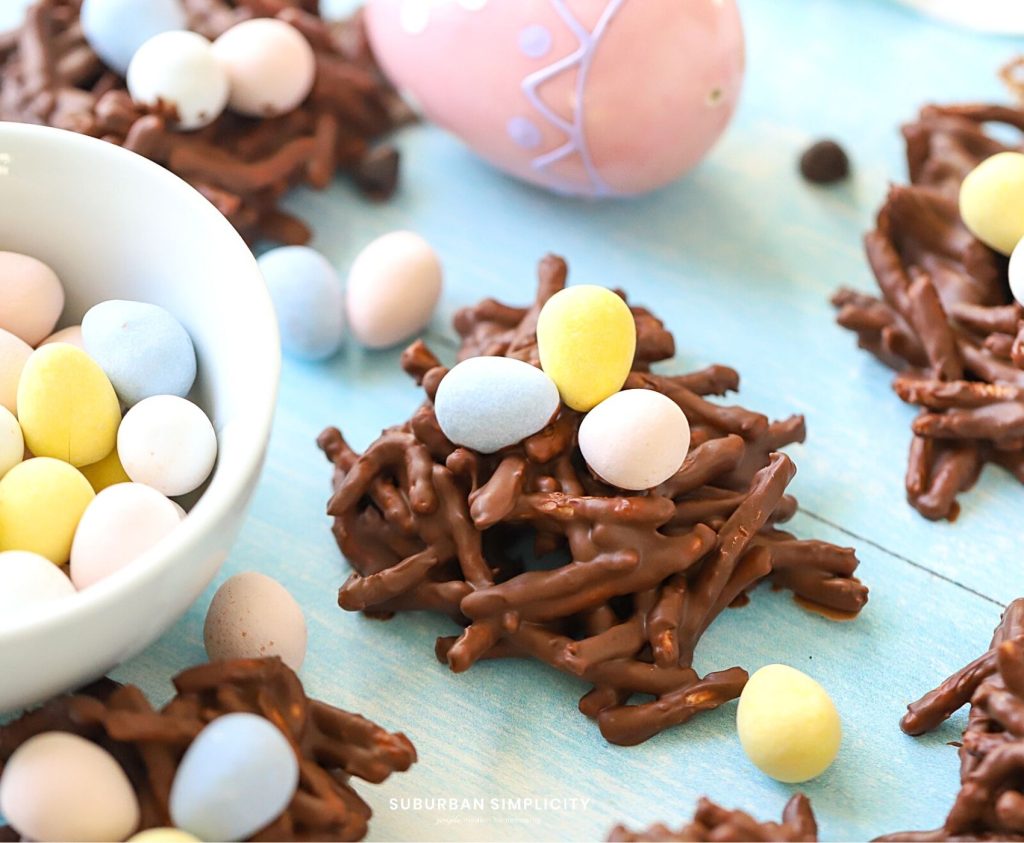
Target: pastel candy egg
pixel 163 835
pixel 179 69
pixel 237 776
pixel 308 298
pixel 105 473
pixel 72 335
pixel 14 354
pixel 12 443
pixel 587 97
pixel 32 297
pixel 115 29
pixel 142 348
pixel 270 64
pixel 489 403
pixel 253 616
pixel 122 522
pixel 27 580
pixel 788 724
pixel 635 439
pixel 59 786
pixel 586 338
pixel 393 288
pixel 992 201
pixel 67 408
pixel 1017 273
pixel 41 503
pixel 168 443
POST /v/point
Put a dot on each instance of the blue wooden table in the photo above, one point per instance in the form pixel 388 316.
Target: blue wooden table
pixel 739 259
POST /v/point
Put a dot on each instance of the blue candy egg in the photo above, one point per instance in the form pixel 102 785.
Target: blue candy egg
pixel 238 775
pixel 489 403
pixel 142 348
pixel 309 300
pixel 115 29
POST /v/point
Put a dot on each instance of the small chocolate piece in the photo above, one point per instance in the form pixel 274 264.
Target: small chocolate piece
pixel 712 823
pixel 635 579
pixel 332 745
pixel 990 805
pixel 824 162
pixel 49 75
pixel 945 320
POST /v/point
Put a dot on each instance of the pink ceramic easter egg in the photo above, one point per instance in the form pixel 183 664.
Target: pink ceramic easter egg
pixel 592 97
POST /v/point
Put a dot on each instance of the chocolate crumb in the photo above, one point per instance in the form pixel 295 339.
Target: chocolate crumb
pixel 430 526
pixel 824 162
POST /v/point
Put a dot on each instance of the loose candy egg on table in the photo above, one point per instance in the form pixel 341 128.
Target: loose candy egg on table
pixel 107 472
pixel 180 70
pixel 115 29
pixel 41 502
pixel 142 348
pixel 635 439
pixel 559 94
pixel 393 287
pixel 67 406
pixel 72 335
pixel 489 403
pixel 788 725
pixel 120 524
pixel 586 338
pixel 12 443
pixel 28 580
pixel 252 616
pixel 992 201
pixel 14 354
pixel 270 64
pixel 32 297
pixel 237 776
pixel 59 786
pixel 168 443
pixel 309 300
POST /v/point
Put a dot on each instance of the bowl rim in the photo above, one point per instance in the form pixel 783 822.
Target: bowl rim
pixel 210 510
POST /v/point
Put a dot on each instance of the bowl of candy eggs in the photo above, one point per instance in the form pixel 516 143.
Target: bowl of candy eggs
pixel 139 361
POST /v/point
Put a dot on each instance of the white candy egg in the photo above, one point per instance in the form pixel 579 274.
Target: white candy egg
pixel 59 786
pixel 12 442
pixel 489 403
pixel 253 616
pixel 122 522
pixel 28 580
pixel 270 64
pixel 239 774
pixel 635 439
pixel 1017 272
pixel 393 288
pixel 179 69
pixel 168 443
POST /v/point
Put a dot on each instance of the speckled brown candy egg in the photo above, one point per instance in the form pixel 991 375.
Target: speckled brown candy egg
pixel 253 615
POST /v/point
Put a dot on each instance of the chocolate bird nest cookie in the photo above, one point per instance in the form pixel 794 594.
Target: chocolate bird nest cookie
pixel 50 75
pixel 535 557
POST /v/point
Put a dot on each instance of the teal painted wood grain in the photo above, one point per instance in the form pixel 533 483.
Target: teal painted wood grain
pixel 739 259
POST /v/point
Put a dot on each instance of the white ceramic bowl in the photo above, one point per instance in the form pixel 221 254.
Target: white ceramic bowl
pixel 114 225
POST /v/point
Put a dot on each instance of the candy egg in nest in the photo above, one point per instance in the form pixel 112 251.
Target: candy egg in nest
pixel 589 97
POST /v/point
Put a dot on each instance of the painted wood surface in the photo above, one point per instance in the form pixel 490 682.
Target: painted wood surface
pixel 739 259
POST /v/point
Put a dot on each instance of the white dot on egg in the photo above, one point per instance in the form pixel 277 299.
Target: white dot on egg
pixel 524 132
pixel 472 5
pixel 535 41
pixel 414 16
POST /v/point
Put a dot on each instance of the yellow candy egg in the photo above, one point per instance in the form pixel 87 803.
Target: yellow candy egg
pixel 107 472
pixel 66 405
pixel 41 503
pixel 788 724
pixel 163 835
pixel 992 201
pixel 586 338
